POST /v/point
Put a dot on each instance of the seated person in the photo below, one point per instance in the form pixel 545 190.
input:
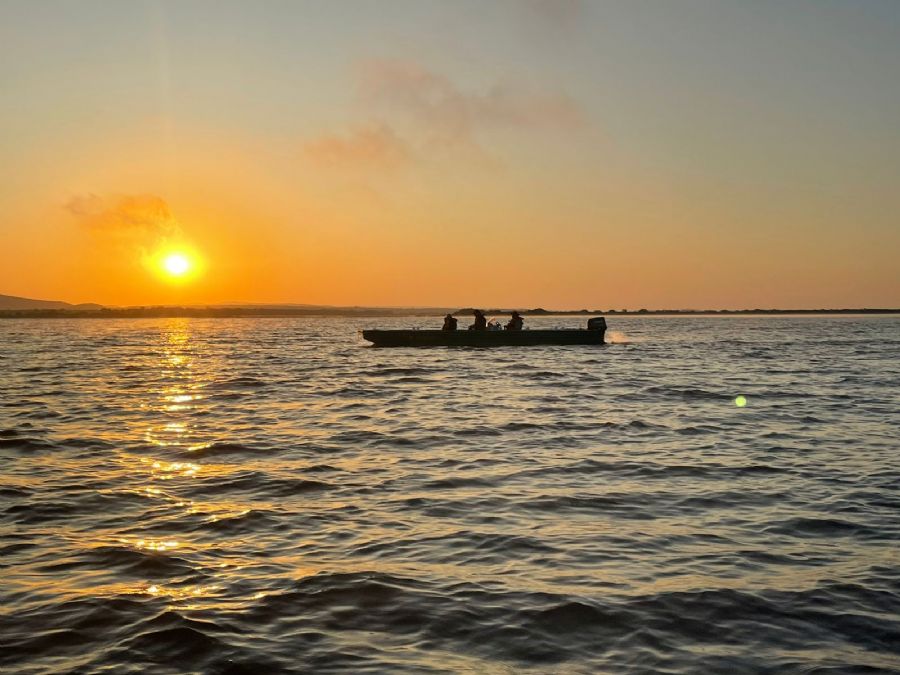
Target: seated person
pixel 449 322
pixel 515 322
pixel 480 321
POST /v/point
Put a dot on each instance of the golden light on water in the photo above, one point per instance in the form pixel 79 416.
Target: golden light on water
pixel 168 470
pixel 176 594
pixel 179 396
pixel 158 546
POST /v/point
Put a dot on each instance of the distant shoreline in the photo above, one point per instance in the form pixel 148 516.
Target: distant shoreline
pixel 362 313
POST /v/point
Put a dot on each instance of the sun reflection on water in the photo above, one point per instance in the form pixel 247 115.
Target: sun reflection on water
pixel 178 398
pixel 168 470
pixel 155 545
pixel 188 593
pixel 172 414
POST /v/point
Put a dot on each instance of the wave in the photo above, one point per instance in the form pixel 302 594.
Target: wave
pixel 532 628
pixel 26 444
pixel 690 393
pixel 221 448
pixel 38 513
pixel 243 382
pixel 391 371
pixel 459 482
pixel 132 561
pixel 653 470
pixel 464 547
pixel 823 527
pixel 260 484
pixel 249 521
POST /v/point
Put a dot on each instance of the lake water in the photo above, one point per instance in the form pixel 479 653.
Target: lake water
pixel 272 495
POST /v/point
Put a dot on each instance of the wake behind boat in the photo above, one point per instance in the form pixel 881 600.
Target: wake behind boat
pixel 592 335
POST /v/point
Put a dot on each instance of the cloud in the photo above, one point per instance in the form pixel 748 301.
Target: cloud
pixel 450 115
pixel 141 220
pixel 427 112
pixel 556 13
pixel 373 145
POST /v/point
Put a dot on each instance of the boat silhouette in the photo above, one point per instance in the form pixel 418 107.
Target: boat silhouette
pixel 592 335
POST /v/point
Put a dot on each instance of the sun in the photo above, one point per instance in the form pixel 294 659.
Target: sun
pixel 176 264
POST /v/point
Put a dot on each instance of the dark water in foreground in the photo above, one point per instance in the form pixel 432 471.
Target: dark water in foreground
pixel 270 495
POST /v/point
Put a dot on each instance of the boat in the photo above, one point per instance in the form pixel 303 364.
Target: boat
pixel 592 335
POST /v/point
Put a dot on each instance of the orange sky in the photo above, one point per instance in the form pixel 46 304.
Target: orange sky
pixel 571 155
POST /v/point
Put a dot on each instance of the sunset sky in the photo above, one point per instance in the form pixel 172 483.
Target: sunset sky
pixel 564 154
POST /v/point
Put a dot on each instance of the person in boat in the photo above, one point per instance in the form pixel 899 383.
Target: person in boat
pixel 515 322
pixel 449 322
pixel 480 321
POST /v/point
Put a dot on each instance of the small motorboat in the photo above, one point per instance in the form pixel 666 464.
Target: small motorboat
pixel 592 335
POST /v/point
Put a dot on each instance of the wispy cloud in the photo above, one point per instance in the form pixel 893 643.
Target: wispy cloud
pixel 139 220
pixel 449 114
pixel 413 112
pixel 372 145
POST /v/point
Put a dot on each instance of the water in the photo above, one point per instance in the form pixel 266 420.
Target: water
pixel 271 495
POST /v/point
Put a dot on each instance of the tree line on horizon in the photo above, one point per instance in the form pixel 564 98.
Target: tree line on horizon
pixel 362 312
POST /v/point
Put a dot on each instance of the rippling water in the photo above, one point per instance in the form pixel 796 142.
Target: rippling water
pixel 272 496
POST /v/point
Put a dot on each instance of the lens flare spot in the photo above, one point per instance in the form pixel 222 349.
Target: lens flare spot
pixel 740 401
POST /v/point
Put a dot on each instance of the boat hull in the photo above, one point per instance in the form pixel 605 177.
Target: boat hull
pixel 471 338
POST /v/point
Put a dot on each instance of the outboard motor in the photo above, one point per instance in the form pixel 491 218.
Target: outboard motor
pixel 598 323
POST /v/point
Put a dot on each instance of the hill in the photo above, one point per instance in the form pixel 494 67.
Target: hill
pixel 12 302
